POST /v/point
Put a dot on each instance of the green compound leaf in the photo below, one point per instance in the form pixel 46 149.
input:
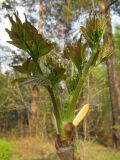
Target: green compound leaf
pixel 76 53
pixel 25 36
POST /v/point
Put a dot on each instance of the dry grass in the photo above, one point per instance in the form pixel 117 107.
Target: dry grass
pixel 37 148
pixel 25 148
pixel 92 151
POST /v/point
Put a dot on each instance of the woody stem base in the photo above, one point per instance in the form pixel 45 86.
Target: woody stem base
pixel 65 153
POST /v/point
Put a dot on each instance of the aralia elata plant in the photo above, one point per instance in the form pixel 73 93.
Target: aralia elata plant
pixel 50 72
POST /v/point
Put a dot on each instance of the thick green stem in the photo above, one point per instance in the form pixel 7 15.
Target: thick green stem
pixel 72 106
pixel 55 106
pixel 73 67
pixel 53 99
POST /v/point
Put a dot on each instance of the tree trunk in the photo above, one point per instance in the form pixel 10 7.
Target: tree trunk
pixel 113 79
pixel 41 17
pixel 34 111
pixel 34 103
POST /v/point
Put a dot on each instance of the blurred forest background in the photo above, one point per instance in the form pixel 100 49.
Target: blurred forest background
pixel 100 131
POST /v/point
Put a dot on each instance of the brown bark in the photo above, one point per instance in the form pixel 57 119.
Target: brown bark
pixel 113 79
pixel 34 102
pixel 41 17
pixel 34 111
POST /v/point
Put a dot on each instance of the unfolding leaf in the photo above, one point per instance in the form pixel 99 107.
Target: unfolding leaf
pixel 25 36
pixel 19 80
pixel 57 71
pixel 20 69
pixel 37 80
pixel 94 29
pixel 105 51
pixel 72 82
pixel 28 67
pixel 77 53
pixel 57 75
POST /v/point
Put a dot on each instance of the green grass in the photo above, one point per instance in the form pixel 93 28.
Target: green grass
pixel 5 150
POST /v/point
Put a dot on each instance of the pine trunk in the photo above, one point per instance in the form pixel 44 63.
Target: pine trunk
pixel 34 111
pixel 41 17
pixel 113 79
pixel 34 103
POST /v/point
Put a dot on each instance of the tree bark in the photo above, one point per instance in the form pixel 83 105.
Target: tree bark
pixel 41 17
pixel 34 111
pixel 113 79
pixel 34 103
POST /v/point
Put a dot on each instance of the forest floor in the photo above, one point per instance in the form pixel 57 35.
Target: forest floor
pixel 43 149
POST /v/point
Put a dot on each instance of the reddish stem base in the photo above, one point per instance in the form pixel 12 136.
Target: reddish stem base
pixel 65 153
